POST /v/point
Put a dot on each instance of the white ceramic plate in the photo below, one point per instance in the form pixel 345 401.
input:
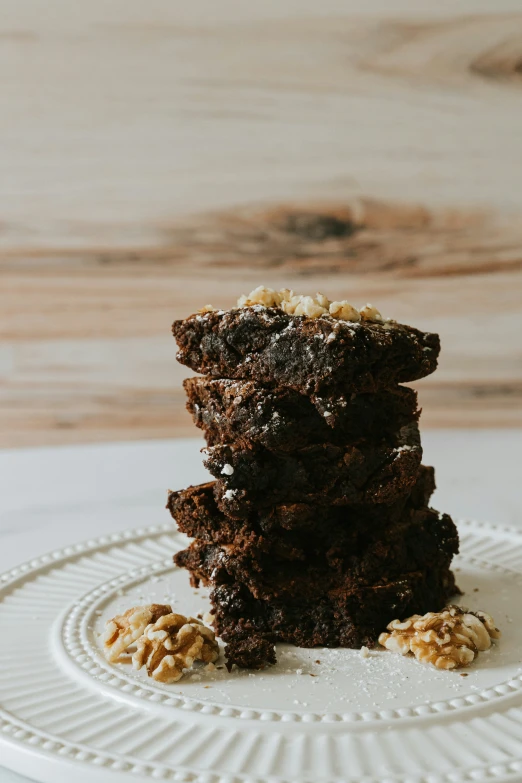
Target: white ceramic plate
pixel 66 715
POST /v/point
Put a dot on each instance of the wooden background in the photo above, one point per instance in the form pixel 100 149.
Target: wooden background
pixel 159 155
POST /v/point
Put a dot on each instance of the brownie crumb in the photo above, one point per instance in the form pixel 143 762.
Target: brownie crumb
pixel 252 652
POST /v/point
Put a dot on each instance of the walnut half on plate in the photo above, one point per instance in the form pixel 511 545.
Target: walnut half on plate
pixel 125 629
pixel 448 639
pixel 172 644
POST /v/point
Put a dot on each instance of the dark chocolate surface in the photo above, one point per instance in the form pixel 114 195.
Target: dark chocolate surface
pixel 343 618
pixel 280 419
pixel 249 652
pixel 198 516
pixel 325 474
pixel 275 569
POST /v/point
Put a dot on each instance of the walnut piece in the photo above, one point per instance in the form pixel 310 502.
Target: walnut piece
pixel 172 644
pixel 370 313
pixel 308 306
pixel 313 307
pixel 261 295
pixel 125 629
pixel 448 639
pixel 344 311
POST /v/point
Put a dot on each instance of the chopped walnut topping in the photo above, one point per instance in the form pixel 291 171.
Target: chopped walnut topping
pixel 125 629
pixel 322 300
pixel 448 639
pixel 344 311
pixel 297 304
pixel 172 644
pixel 308 306
pixel 207 309
pixel 263 296
pixel 289 305
pixel 370 313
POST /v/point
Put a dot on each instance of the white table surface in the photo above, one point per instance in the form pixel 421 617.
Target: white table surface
pixel 52 497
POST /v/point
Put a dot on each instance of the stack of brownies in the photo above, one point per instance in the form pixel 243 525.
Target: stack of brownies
pixel 317 529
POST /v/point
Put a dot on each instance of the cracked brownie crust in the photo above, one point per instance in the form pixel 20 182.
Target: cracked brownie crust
pixel 275 569
pixel 319 356
pixel 280 419
pixel 198 516
pixel 324 474
pixel 341 619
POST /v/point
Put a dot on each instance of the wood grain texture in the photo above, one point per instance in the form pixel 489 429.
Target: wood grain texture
pixel 156 157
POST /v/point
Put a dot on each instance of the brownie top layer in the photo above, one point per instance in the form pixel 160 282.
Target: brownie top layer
pixel 311 355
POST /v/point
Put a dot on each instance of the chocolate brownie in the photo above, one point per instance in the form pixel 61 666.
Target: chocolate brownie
pixel 280 419
pixel 249 652
pixel 317 529
pixel 321 356
pixel 197 514
pixel 306 570
pixel 324 474
pixel 343 618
